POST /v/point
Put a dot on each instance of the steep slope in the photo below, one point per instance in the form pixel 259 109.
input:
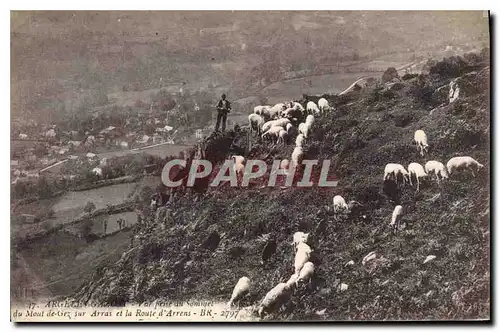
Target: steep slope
pixel 200 248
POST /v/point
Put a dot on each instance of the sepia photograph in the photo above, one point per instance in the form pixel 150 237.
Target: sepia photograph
pixel 250 166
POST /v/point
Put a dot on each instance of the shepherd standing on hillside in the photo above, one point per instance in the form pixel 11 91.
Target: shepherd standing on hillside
pixel 223 107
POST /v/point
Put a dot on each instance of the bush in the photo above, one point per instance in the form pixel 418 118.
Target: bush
pixel 390 74
pixel 408 76
pixel 424 93
pixel 453 66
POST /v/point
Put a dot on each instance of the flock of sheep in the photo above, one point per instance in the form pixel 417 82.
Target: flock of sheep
pixel 281 293
pixel 398 174
pixel 278 123
pixel 416 171
pixel 283 120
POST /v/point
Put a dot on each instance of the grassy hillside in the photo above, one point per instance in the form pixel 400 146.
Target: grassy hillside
pixel 173 258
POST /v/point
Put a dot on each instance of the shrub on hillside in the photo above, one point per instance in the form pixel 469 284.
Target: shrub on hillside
pixel 455 66
pixel 424 93
pixel 408 76
pixel 390 74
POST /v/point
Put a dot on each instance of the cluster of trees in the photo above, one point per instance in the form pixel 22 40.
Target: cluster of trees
pixel 455 66
pixel 45 187
pixel 41 188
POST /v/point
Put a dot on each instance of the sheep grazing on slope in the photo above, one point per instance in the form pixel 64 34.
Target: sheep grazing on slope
pixel 397 171
pixel 301 257
pixel 305 273
pixel 436 167
pixel 282 122
pixel 304 129
pixel 464 162
pixel 284 134
pixel 339 204
pixel 310 120
pixel 299 237
pixel 285 164
pixel 299 141
pixel 279 122
pixel 396 216
pixel 267 125
pixel 239 159
pixel 275 111
pixel 416 170
pixel 239 165
pixel 323 105
pixel 256 122
pixel 241 289
pixel 297 106
pixel 304 246
pixel 293 280
pixel 421 140
pixel 297 156
pixel 275 298
pixel 274 131
pixel 312 108
pixel 292 113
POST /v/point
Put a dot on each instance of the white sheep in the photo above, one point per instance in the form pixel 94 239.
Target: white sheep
pixel 306 273
pixel 282 136
pixel 417 170
pixel 274 131
pixel 267 125
pixel 285 163
pixel 299 237
pixel 283 122
pixel 287 113
pixel 396 216
pixel 297 106
pixel 275 298
pixel 310 120
pixel 239 159
pixel 339 204
pixel 323 105
pixel 436 167
pixel 293 280
pixel 297 156
pixel 299 141
pixel 396 170
pixel 301 257
pixel 304 129
pixel 274 111
pixel 255 121
pixel 312 108
pixel 304 246
pixel 421 140
pixel 241 289
pixel 279 122
pixel 239 165
pixel 464 162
